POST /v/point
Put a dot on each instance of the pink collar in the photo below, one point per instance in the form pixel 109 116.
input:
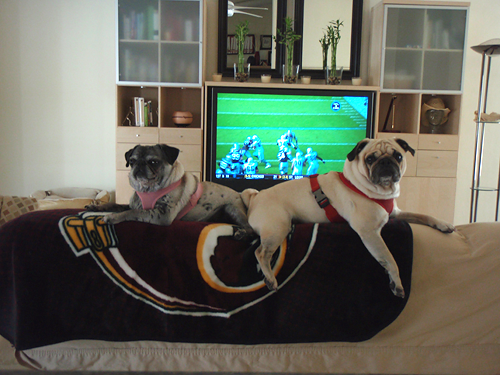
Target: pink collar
pixel 148 200
pixel 193 201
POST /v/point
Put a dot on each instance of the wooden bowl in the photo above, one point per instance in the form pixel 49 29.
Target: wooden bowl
pixel 182 118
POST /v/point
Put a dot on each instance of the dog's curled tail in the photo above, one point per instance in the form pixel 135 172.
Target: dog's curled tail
pixel 247 195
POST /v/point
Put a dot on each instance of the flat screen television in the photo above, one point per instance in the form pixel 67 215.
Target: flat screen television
pixel 258 137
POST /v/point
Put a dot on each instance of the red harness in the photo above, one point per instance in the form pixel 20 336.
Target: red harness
pixel 331 213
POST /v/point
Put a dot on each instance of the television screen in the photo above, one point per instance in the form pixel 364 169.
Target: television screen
pixel 257 137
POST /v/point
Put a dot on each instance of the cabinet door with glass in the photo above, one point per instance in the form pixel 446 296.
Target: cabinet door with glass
pixel 423 48
pixel 159 42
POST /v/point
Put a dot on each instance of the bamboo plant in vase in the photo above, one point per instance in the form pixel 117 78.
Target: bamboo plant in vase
pixel 333 33
pixel 325 45
pixel 240 35
pixel 288 37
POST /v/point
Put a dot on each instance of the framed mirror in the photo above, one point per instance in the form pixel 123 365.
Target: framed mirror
pixel 312 17
pixel 263 53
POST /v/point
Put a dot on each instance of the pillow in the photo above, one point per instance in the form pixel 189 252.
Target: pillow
pixel 12 207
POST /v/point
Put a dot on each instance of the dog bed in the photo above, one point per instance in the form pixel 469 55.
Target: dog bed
pixel 69 198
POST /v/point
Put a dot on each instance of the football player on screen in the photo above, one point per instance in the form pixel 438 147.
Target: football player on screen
pixel 284 156
pixel 298 164
pixel 289 139
pixel 247 145
pixel 234 161
pixel 251 166
pixel 259 151
pixel 312 159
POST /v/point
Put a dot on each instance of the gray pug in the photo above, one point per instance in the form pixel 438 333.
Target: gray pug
pixel 163 191
pixel 374 169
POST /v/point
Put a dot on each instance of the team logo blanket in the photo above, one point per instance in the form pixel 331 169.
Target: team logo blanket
pixel 65 275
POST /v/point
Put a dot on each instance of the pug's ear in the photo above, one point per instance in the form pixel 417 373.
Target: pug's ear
pixel 356 150
pixel 405 146
pixel 171 153
pixel 128 154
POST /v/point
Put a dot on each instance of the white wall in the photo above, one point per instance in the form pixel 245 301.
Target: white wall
pixel 57 93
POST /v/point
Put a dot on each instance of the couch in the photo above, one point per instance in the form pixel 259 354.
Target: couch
pixel 333 313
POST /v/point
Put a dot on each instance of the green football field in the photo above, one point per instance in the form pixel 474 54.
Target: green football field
pixel 330 125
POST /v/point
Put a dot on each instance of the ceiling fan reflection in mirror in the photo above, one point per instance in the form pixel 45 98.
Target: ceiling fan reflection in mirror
pixel 232 9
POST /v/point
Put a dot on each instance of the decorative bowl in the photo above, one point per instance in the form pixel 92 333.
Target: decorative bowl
pixel 182 118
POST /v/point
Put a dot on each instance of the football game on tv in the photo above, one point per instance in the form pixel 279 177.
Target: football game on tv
pixel 260 136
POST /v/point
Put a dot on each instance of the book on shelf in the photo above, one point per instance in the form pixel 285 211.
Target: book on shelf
pixel 140 25
pixel 143 112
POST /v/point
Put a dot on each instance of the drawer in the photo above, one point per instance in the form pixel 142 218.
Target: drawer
pixel 428 195
pixel 438 142
pixel 136 135
pixel 411 139
pixel 411 164
pixel 185 136
pixel 437 163
pixel 190 157
pixel 123 189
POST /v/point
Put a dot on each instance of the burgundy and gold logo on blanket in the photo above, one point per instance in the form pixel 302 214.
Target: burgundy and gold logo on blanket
pixel 187 268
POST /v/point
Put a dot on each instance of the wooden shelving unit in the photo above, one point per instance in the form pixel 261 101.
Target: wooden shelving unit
pixel 417 54
pixel 159 58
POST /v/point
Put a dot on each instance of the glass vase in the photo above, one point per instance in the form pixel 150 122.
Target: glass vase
pixel 294 74
pixel 336 78
pixel 241 76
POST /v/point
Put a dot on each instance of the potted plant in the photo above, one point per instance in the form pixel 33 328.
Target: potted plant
pixel 240 34
pixel 333 33
pixel 288 37
pixel 325 45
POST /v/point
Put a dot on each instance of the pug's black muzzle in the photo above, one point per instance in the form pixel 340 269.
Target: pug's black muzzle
pixel 385 171
pixel 144 171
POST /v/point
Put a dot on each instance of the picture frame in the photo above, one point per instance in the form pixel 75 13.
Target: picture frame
pixel 266 41
pixel 232 44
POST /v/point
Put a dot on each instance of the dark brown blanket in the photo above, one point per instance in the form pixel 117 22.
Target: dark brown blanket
pixel 66 276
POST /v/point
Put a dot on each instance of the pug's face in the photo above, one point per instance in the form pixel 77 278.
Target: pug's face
pixel 150 166
pixel 381 161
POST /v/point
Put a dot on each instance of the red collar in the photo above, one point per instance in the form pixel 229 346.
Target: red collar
pixel 331 213
pixel 387 204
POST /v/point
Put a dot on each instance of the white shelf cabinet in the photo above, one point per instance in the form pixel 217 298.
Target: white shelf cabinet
pixel 421 47
pixel 159 42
